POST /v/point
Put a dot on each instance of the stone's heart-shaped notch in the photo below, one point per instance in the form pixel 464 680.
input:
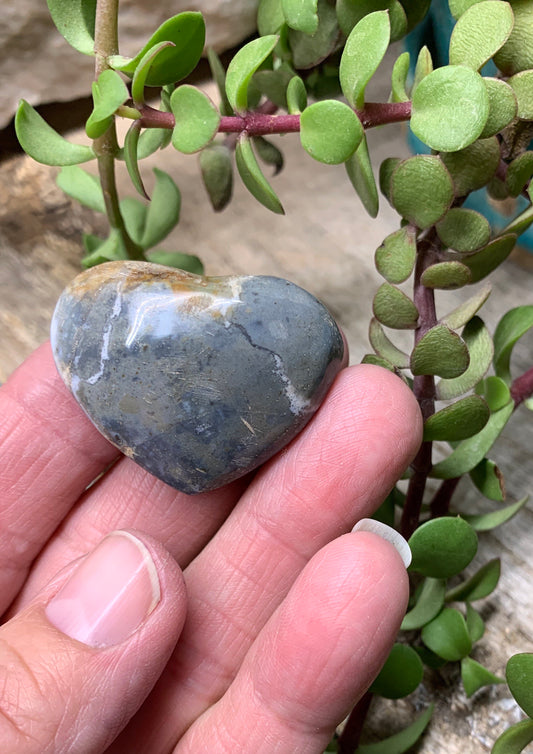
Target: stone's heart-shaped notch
pixel 199 380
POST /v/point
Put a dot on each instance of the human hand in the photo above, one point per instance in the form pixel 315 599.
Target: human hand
pixel 277 626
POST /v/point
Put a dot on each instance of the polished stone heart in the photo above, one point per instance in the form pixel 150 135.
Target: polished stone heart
pixel 199 380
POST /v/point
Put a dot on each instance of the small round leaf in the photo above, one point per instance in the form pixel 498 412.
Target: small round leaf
pixel 253 178
pixel 446 275
pixel 421 190
pixel 440 352
pixel 447 635
pixel 242 68
pixel 330 131
pixel 395 258
pixel 216 166
pixel 75 21
pixel 517 53
pixel 515 739
pixel 400 675
pixel 480 32
pixel 394 309
pixel 485 261
pixel 522 85
pixel 363 52
pixel 462 419
pixel 478 586
pixel 196 117
pixel 502 106
pixel 480 347
pixel 361 175
pixel 463 230
pixel 475 676
pixel 519 673
pixel 428 605
pixel 473 167
pixel 442 547
pixel 301 15
pixel 519 173
pixel 296 96
pixel 454 95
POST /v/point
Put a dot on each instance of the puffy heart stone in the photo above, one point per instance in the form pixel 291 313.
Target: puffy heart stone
pixel 199 380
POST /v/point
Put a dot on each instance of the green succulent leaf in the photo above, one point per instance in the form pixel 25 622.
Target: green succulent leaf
pixel 474 623
pixel 416 11
pixel 273 84
pixel 386 169
pixel 522 85
pixel 458 421
pixel 301 15
pixel 512 326
pixel 142 71
pixel 488 479
pixel 400 742
pixel 330 131
pixel 458 7
pixel 75 21
pixel 270 17
pixel 442 547
pixel 253 178
pixel 187 262
pixel 131 157
pixel 308 50
pixel 463 313
pixel 446 275
pixel 133 213
pixel 363 52
pixel 463 230
pixel 269 153
pixel 516 54
pixel 440 352
pixel 424 66
pixel 400 72
pixel 109 250
pixel 479 585
pixel 470 452
pixel 242 68
pixel 296 96
pixel 480 32
pixel 378 361
pixel 350 12
pixel 454 95
pixel 186 32
pixel 520 223
pixel 481 350
pixel 82 186
pixel 395 258
pixel 219 77
pixel 41 142
pixel 163 211
pixel 197 119
pixel 447 635
pixel 503 106
pixel 519 674
pixel 400 675
pixel 475 676
pixel 482 263
pixel 421 190
pixel 216 166
pixel 109 92
pixel 488 521
pixel 514 739
pixel 519 173
pixel 473 167
pixel 361 175
pixel 428 605
pixel 495 391
pixel 394 309
pixel 384 347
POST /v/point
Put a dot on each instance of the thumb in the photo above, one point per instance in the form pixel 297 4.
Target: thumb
pixel 77 663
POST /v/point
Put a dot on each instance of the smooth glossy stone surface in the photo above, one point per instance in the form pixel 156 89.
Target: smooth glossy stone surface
pixel 199 380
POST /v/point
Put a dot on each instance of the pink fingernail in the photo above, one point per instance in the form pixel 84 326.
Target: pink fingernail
pixel 109 595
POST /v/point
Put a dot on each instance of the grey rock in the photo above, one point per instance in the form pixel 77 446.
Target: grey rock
pixel 199 380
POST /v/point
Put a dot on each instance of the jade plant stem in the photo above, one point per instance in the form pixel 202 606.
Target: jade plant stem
pixel 105 146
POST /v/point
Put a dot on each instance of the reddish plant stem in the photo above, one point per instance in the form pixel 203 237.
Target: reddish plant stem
pixel 522 387
pixel 423 388
pixel 260 123
pixel 440 505
pixel 349 738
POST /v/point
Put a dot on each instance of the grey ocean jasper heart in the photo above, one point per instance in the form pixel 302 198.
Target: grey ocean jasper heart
pixel 199 380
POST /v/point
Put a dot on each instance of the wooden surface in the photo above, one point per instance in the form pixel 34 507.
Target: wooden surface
pixel 325 243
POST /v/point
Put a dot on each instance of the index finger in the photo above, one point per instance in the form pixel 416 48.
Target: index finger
pixel 49 453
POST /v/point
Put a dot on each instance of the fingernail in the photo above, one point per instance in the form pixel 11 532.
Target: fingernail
pixel 109 595
pixel 388 533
